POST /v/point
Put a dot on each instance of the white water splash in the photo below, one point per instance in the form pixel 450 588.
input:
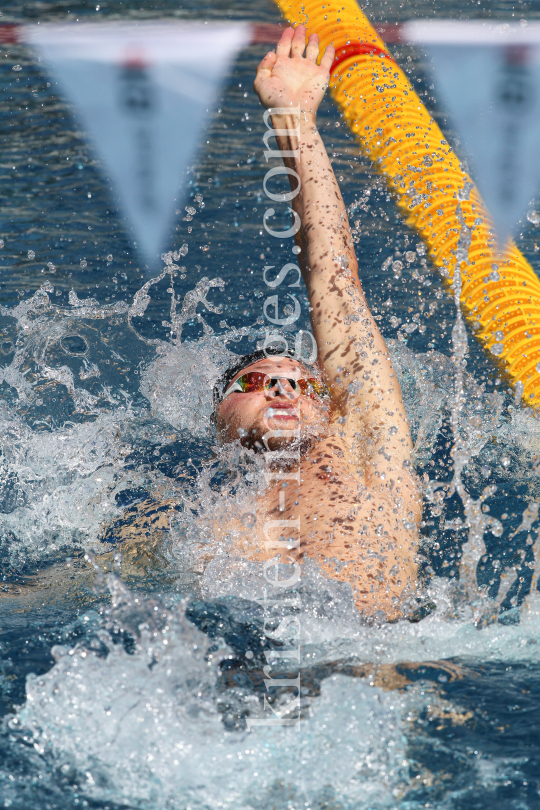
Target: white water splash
pixel 144 728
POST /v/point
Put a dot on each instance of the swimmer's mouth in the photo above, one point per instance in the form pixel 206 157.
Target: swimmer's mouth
pixel 282 411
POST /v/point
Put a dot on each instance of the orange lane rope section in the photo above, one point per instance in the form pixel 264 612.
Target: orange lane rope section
pixel 500 292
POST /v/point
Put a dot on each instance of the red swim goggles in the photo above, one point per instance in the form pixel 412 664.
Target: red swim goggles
pixel 253 381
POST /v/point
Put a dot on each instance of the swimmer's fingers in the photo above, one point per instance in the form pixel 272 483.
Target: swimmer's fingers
pixel 312 50
pixel 283 48
pixel 298 43
pixel 265 66
pixel 328 58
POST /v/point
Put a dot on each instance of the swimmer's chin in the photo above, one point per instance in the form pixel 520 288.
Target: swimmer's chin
pixel 281 438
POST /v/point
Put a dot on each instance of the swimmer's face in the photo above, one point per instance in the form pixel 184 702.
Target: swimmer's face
pixel 281 411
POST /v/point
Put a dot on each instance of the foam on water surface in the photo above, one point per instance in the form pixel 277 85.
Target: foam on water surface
pixel 143 727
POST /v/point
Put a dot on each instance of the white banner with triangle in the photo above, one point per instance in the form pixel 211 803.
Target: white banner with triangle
pixel 143 92
pixel 488 76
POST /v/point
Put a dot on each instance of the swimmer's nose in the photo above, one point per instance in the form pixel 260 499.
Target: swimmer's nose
pixel 283 387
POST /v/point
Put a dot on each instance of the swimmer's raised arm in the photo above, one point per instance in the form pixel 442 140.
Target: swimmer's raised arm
pixel 352 351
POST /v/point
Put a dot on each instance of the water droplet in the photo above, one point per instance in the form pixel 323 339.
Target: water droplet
pixel 428 160
pixel 1 243
pixel 84 263
pixel 392 430
pixel 420 249
pixel 31 254
pixel 532 215
pixel 205 248
pixel 248 520
pixel 486 472
pixel 249 654
pixel 410 256
pixel 16 67
pixel 497 349
pixel 110 257
pixel 397 265
pixel 538 367
pixel 89 195
pixel 410 328
pixel 499 335
pixel 505 462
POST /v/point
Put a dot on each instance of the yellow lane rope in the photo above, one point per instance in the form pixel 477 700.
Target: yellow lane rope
pixel 500 292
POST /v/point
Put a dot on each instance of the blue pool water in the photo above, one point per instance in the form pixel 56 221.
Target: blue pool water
pixel 131 681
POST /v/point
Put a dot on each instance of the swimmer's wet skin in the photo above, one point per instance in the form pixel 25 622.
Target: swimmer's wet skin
pixel 355 499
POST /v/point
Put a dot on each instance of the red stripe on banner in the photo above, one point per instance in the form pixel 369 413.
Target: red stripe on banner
pixel 392 33
pixel 10 34
pixel 266 33
pixel 262 34
pixel 271 32
pixel 356 49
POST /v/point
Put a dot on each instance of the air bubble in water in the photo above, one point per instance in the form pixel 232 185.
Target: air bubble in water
pixel 74 345
pixel 420 249
pixel 31 254
pixel 497 349
pixel 499 335
pixel 110 257
pixel 533 216
pixel 248 520
pixel 84 263
pixel 1 243
pixel 505 462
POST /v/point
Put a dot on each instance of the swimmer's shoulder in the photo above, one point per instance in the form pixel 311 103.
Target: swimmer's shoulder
pixel 146 521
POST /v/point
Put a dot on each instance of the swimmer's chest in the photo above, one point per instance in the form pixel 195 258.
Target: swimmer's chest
pixel 309 504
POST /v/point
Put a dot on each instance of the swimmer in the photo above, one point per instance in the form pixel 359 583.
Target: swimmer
pixel 340 490
pixel 350 502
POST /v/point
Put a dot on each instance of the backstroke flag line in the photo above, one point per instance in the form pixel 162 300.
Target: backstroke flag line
pixel 488 75
pixel 143 92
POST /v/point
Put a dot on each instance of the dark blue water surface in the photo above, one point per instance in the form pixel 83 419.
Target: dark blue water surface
pixel 458 720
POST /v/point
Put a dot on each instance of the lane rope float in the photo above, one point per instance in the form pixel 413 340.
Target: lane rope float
pixel 500 294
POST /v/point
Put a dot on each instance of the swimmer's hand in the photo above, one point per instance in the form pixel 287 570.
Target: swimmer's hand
pixel 287 78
